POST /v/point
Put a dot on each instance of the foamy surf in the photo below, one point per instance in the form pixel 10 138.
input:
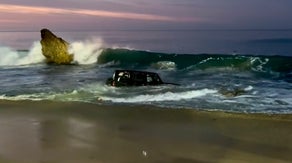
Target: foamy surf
pixel 85 52
pixel 10 57
pixel 168 96
pixel 164 65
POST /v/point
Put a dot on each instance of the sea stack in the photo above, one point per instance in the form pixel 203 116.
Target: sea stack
pixel 54 48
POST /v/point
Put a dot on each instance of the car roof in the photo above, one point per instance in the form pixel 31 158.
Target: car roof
pixel 135 71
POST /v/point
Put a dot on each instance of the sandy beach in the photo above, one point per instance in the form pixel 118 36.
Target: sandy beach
pixel 55 132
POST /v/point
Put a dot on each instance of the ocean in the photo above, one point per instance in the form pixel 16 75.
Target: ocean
pixel 241 71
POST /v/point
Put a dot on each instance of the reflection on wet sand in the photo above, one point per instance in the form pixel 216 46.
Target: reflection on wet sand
pixel 64 132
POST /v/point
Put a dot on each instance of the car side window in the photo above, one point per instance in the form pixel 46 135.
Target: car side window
pixel 149 79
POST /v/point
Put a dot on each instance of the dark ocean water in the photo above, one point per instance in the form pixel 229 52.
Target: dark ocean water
pixel 248 71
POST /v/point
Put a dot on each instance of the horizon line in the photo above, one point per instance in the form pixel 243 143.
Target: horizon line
pixel 199 29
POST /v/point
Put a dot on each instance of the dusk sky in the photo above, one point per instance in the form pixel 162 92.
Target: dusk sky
pixel 31 15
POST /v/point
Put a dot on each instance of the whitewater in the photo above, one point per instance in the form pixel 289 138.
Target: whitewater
pixel 208 81
pixel 86 52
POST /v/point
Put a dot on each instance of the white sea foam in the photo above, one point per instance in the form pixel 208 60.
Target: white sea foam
pixel 259 63
pixel 10 57
pixel 168 96
pixel 167 65
pixel 64 96
pixel 86 52
pixel 32 97
pixel 248 88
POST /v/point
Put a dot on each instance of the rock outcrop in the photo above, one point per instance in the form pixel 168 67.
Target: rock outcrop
pixel 55 49
pixel 232 92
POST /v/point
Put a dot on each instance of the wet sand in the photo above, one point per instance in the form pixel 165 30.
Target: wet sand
pixel 55 132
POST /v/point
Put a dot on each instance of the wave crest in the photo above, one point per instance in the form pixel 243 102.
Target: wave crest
pixel 168 96
pixel 86 52
pixel 10 57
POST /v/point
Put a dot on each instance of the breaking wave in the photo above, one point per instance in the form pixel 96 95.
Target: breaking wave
pixel 85 52
pixel 91 51
pixel 145 59
pixel 168 96
pixel 10 57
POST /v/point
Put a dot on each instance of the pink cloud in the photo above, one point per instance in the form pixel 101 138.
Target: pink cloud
pixel 18 9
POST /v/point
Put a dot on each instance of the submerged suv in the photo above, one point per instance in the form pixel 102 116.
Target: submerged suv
pixel 134 78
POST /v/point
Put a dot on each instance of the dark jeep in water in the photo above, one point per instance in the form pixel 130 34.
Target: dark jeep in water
pixel 135 78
